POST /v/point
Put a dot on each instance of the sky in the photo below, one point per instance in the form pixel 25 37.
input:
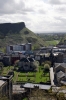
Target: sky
pixel 39 15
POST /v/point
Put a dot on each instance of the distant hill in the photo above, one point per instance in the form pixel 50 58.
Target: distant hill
pixel 17 33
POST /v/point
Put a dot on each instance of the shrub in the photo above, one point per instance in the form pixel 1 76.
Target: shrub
pixel 46 67
pixel 35 64
pixel 26 32
pixel 47 62
pixel 61 96
pixel 16 63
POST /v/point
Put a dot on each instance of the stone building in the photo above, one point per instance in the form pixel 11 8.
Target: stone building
pixel 60 73
pixel 59 58
pixel 6 86
pixel 19 47
pixel 26 64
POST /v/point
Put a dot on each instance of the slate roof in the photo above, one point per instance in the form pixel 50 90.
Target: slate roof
pixel 63 82
pixel 24 59
pixel 60 74
pixel 31 59
pixel 60 64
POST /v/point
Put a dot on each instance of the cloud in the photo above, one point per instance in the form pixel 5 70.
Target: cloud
pixel 60 9
pixel 38 15
pixel 62 20
pixel 13 6
pixel 55 2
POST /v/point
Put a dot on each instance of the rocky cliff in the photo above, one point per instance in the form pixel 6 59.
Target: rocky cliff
pixel 17 33
pixel 11 27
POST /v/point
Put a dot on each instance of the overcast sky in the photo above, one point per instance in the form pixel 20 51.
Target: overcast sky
pixel 38 15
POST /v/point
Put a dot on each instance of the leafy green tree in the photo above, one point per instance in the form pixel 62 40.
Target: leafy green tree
pixel 35 65
pixel 46 67
pixel 47 62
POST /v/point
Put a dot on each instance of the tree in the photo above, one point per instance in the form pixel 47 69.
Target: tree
pixel 35 65
pixel 46 67
pixel 16 64
pixel 47 62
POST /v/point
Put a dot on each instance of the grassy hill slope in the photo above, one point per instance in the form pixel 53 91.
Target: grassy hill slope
pixel 22 36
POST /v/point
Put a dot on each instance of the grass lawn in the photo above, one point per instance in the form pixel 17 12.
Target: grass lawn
pixel 6 70
pixel 54 42
pixel 34 77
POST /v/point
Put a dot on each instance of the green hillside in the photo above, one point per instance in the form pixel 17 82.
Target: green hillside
pixel 24 35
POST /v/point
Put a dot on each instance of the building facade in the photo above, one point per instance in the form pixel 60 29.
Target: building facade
pixel 19 47
pixel 6 86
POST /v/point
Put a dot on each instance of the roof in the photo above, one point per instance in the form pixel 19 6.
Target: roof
pixel 31 85
pixel 1 82
pixel 60 64
pixel 6 77
pixel 47 54
pixel 3 77
pixel 60 74
pixel 55 53
pixel 63 82
pixel 24 59
pixel 31 59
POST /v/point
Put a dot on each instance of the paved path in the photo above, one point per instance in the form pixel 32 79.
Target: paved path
pixel 52 76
